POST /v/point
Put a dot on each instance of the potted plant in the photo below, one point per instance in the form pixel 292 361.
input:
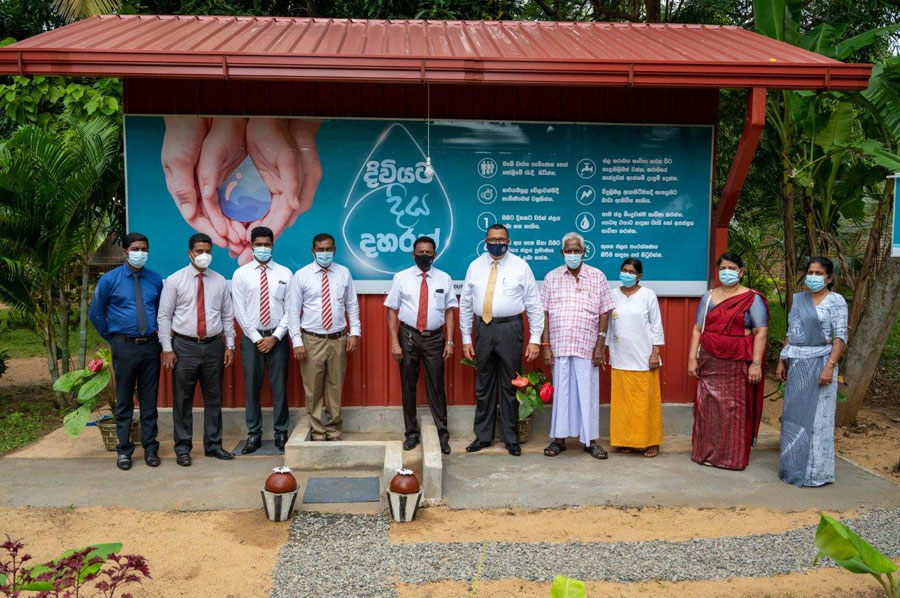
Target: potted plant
pixel 533 389
pixel 94 390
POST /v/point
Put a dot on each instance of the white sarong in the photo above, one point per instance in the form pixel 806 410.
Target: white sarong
pixel 576 400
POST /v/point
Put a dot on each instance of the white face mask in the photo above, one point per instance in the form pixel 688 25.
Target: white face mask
pixel 203 260
pixel 137 258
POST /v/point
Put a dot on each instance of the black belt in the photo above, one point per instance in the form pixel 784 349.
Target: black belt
pixel 265 333
pixel 137 340
pixel 425 333
pixel 501 320
pixel 199 341
pixel 331 337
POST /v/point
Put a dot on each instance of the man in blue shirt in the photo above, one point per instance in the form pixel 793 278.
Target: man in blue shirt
pixel 124 313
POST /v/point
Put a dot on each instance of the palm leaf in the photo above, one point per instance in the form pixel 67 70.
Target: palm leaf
pixel 72 10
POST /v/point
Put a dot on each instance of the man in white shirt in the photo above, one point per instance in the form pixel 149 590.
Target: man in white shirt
pixel 259 293
pixel 499 286
pixel 195 312
pixel 422 298
pixel 320 294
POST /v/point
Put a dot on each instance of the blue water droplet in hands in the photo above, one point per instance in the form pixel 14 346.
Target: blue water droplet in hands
pixel 243 195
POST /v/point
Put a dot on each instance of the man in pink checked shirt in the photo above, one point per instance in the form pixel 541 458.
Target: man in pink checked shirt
pixel 577 303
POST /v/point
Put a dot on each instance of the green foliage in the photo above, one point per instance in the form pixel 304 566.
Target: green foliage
pixel 20 428
pixel 87 385
pixel 839 543
pixel 54 101
pixel 566 587
pixel 528 392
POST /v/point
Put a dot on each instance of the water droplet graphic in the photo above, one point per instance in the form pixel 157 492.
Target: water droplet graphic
pixel 393 201
pixel 243 196
pixel 584 222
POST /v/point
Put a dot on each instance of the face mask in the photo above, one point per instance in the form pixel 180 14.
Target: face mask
pixel 324 258
pixel 573 260
pixel 815 283
pixel 628 279
pixel 203 260
pixel 263 254
pixel 137 258
pixel 424 261
pixel 497 249
pixel 728 277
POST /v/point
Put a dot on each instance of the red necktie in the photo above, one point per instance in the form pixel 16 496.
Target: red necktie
pixel 201 307
pixel 326 302
pixel 422 317
pixel 263 298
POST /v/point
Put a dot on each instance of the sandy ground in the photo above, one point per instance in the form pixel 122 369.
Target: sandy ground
pixel 226 554
pixel 812 584
pixel 25 371
pixel 596 524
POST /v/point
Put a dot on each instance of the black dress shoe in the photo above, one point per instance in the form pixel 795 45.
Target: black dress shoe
pixel 123 462
pixel 152 459
pixel 280 441
pixel 410 443
pixel 219 453
pixel 445 447
pixel 514 449
pixel 184 460
pixel 476 446
pixel 254 442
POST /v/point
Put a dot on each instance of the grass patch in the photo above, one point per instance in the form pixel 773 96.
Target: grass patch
pixel 20 341
pixel 26 414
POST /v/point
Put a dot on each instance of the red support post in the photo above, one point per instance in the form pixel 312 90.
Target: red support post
pixel 737 174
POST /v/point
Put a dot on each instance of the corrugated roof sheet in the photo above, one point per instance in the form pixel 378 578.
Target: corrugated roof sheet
pixel 433 51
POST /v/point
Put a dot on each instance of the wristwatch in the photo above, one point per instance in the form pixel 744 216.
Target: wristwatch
pixel 603 334
pixel 450 343
pixel 756 363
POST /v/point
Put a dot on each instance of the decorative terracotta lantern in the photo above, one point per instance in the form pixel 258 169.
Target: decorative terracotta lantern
pixel 281 480
pixel 404 496
pixel 404 482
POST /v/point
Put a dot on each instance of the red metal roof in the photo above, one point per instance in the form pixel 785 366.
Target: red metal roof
pixel 500 52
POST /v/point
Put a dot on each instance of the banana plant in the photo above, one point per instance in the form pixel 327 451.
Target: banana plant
pixel 839 543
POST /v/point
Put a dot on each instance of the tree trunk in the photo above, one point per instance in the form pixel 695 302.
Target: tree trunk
pixel 653 10
pixel 63 333
pixel 82 318
pixel 878 317
pixel 812 237
pixel 867 266
pixel 790 242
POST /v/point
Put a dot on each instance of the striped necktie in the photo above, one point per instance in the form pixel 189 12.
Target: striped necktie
pixel 327 321
pixel 264 315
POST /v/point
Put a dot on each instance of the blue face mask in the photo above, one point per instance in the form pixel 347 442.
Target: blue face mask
pixel 573 260
pixel 263 254
pixel 324 258
pixel 138 258
pixel 628 279
pixel 497 249
pixel 728 277
pixel 815 283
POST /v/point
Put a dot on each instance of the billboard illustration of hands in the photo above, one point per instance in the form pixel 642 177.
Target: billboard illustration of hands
pixel 630 190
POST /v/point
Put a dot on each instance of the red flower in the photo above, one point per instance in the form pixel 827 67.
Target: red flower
pixel 520 382
pixel 546 392
pixel 95 365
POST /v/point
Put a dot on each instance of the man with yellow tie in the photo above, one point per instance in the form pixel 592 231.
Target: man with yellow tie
pixel 499 286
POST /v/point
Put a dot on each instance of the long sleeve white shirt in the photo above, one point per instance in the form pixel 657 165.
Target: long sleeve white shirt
pixel 406 288
pixel 514 292
pixel 305 301
pixel 178 306
pixel 245 294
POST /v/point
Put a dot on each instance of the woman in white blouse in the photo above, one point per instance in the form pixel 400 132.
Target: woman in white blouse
pixel 635 338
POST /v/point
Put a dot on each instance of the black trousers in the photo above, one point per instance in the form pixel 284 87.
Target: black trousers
pixel 255 365
pixel 498 351
pixel 203 363
pixel 136 367
pixel 430 350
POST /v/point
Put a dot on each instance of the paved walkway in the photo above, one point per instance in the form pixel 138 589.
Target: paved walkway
pixel 672 479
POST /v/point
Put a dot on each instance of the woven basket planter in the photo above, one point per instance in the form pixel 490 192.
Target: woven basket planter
pixel 524 428
pixel 108 432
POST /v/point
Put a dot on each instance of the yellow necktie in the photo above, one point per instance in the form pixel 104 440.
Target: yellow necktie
pixel 486 310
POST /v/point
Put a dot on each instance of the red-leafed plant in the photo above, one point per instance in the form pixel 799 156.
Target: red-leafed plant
pixel 73 574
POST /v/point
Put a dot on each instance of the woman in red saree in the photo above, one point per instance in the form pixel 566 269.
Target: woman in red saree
pixel 726 356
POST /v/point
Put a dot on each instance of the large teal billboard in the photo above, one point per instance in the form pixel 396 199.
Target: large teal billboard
pixel 630 190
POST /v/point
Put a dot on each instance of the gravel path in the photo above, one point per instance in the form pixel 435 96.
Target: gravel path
pixel 350 555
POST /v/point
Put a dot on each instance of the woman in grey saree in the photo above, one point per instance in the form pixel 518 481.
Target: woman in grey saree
pixel 817 333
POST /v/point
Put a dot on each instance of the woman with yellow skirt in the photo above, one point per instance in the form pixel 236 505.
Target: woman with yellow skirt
pixel 635 338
